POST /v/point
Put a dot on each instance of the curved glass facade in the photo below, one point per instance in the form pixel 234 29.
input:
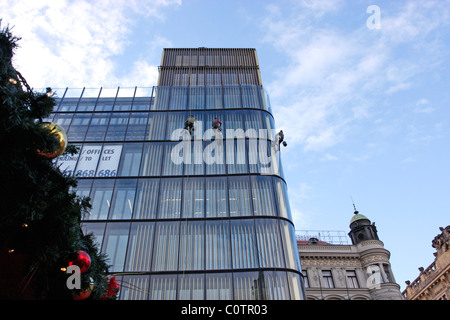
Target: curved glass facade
pixel 201 216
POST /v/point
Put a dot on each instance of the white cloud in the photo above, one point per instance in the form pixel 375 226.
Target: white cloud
pixel 330 77
pixel 74 43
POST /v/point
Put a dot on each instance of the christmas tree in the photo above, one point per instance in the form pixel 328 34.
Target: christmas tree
pixel 40 214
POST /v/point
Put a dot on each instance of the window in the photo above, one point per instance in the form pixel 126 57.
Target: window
pixel 196 97
pixel 100 199
pixel 178 99
pixel 193 198
pixel 217 245
pixel 165 247
pixel 191 287
pixel 115 244
pixel 117 126
pixel 231 97
pixel 137 126
pixel 170 199
pixel 269 243
pixel 173 158
pixel 387 272
pixel 250 96
pixel 282 199
pixel 146 199
pixel 98 127
pixel 136 287
pixel 156 126
pixel 243 244
pixel 152 159
pixel 216 197
pixel 191 245
pixel 275 286
pixel 79 126
pixel 248 286
pixel 263 202
pixel 289 243
pixel 327 279
pixel 163 287
pixel 131 159
pixel 214 97
pixel 139 251
pixel 239 196
pixel 218 286
pixel 352 281
pixel 236 157
pixel 123 199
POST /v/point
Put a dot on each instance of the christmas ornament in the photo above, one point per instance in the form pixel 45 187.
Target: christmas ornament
pixel 113 288
pixel 84 294
pixel 60 134
pixel 82 260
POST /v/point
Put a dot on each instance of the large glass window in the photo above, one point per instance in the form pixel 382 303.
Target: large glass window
pixel 157 126
pixel 115 244
pixel 250 96
pixel 63 120
pixel 253 123
pixel 263 201
pixel 231 97
pixel 173 159
pixel 193 158
pixel 214 97
pixel 234 125
pixel 196 97
pixel 243 244
pixel 192 245
pixel 137 126
pixel 165 247
pixel 170 199
pixel 163 287
pixel 101 194
pixel 236 157
pixel 139 253
pixel 98 127
pixel 239 196
pixel 134 287
pixel 152 159
pixel 178 98
pixel 162 95
pixel 295 286
pixel 282 199
pixel 193 197
pixel 218 245
pixel 131 159
pixel 216 197
pixel 175 121
pixel 191 287
pixel 269 243
pixel 290 249
pixel 276 287
pixel 117 126
pixel 248 285
pixel 219 286
pixel 146 199
pixel 79 126
pixel 123 199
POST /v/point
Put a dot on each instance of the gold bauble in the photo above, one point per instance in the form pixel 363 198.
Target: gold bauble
pixel 60 134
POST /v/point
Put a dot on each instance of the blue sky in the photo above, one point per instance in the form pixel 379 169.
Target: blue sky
pixel 365 111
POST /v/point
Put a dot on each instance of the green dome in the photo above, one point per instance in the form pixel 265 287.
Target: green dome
pixel 358 216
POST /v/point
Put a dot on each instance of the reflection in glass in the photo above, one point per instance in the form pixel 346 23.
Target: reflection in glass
pixel 165 247
pixel 191 245
pixel 139 254
pixel 123 199
pixel 115 244
pixel 217 245
pixel 219 286
pixel 146 199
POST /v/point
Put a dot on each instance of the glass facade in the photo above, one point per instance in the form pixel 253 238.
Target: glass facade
pixel 201 216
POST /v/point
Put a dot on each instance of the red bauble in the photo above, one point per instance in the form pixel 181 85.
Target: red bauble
pixel 82 260
pixel 113 288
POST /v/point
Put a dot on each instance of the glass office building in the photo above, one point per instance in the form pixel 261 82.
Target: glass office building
pixel 201 215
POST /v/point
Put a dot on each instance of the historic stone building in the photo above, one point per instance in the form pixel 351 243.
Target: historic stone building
pixel 360 271
pixel 433 283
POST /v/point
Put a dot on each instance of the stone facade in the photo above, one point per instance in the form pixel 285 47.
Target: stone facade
pixel 433 283
pixel 361 271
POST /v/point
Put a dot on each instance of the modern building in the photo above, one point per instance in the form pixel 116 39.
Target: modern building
pixel 433 283
pixel 333 269
pixel 186 215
